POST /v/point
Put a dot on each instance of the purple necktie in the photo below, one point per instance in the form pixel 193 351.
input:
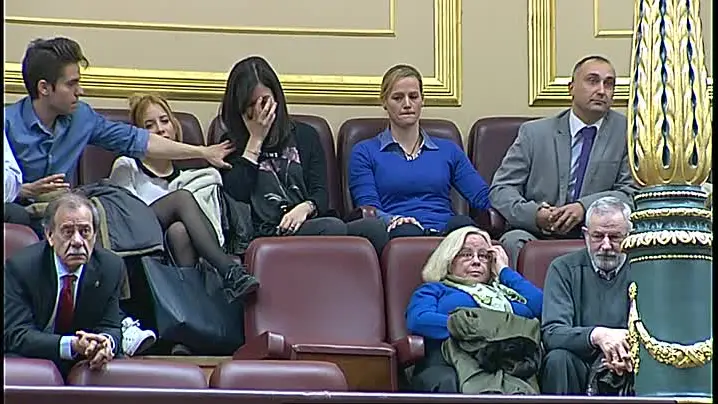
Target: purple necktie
pixel 588 133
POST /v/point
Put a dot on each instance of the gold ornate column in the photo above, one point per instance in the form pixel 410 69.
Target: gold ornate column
pixel 669 150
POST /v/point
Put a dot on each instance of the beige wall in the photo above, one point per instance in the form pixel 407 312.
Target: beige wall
pixel 350 39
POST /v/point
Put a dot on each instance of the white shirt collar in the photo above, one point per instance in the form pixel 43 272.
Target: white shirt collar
pixel 575 124
pixel 62 271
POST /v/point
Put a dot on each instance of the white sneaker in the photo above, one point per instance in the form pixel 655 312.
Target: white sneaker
pixel 135 339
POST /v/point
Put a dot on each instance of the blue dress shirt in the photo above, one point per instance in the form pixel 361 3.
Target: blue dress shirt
pixel 381 176
pixel 42 151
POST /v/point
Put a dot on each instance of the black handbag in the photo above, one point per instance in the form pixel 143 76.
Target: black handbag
pixel 190 308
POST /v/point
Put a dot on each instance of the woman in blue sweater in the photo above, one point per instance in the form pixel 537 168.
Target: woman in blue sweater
pixel 465 270
pixel 406 174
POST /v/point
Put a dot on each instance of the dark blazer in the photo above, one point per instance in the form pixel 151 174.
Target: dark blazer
pixel 30 295
pixel 537 169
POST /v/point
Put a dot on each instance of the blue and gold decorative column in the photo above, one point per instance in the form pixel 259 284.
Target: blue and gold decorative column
pixel 669 151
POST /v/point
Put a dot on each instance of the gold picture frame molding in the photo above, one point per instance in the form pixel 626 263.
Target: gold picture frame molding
pixel 211 29
pixel 442 89
pixel 598 32
pixel 546 88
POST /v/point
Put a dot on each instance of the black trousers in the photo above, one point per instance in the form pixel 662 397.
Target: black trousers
pixel 564 373
pixel 433 374
pixel 412 230
pixel 370 228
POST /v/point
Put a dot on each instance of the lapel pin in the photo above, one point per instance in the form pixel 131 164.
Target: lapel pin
pixel 97 284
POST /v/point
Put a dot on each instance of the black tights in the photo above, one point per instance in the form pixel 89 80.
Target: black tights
pixel 189 232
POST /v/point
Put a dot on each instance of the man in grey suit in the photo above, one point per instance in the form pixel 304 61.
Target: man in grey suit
pixel 558 166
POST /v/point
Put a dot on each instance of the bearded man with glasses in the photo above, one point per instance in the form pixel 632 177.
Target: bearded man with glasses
pixel 585 306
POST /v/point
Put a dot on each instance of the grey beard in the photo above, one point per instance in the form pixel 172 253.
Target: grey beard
pixel 606 264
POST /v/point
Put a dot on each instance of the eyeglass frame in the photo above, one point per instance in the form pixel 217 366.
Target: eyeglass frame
pixel 614 239
pixel 464 255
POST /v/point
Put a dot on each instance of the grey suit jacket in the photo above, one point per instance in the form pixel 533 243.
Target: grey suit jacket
pixel 537 168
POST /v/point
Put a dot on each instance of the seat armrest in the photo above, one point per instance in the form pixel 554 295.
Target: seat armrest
pixel 381 349
pixel 267 345
pixel 409 349
pixel 492 221
pixel 361 212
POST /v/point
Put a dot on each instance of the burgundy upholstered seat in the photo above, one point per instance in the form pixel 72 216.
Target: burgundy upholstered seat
pixel 535 257
pixel 139 373
pixel 278 375
pixel 321 299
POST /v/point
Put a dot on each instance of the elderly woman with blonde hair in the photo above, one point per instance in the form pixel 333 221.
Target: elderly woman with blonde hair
pixel 465 271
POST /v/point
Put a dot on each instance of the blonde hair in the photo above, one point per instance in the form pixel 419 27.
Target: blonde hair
pixel 438 266
pixel 396 73
pixel 139 104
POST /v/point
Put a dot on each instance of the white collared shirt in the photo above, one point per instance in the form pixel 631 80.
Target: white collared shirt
pixel 575 125
pixel 13 176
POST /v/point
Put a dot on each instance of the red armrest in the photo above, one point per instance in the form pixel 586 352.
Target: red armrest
pixel 360 213
pixel 492 221
pixel 267 345
pixel 359 350
pixel 409 349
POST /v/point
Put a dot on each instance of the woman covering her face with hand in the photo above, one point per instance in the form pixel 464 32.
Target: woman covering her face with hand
pixel 465 271
pixel 279 167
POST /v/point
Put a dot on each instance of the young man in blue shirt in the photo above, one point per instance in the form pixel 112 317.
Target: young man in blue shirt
pixel 49 129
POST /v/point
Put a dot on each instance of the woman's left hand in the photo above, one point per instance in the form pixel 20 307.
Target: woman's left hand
pixel 293 220
pixel 500 260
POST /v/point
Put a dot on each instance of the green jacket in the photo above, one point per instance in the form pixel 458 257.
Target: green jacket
pixel 493 352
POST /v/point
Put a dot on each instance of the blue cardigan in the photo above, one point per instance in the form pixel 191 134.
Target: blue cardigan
pixel 431 303
pixel 380 176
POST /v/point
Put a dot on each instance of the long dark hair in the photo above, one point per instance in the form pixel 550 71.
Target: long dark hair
pixel 243 78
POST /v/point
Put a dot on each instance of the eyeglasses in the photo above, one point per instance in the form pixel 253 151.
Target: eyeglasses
pixel 466 255
pixel 612 238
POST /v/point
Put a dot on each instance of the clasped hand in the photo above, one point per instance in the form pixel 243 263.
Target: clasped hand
pixel 560 220
pixel 616 350
pixel 397 221
pixel 94 347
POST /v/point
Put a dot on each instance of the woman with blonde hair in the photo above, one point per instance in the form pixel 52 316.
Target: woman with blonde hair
pixel 407 174
pixel 189 232
pixel 465 271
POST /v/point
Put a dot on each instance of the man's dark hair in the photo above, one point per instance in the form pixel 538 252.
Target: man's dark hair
pixel 45 59
pixel 587 59
pixel 71 200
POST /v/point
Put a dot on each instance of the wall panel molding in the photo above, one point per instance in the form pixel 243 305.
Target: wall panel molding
pixel 211 29
pixel 442 89
pixel 599 32
pixel 546 88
